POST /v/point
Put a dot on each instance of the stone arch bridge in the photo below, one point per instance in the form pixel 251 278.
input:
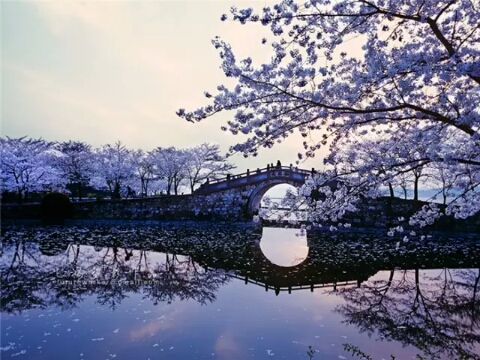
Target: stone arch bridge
pixel 254 184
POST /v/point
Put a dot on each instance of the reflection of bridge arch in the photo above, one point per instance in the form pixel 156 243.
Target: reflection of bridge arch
pixel 256 268
pixel 284 247
pixel 307 274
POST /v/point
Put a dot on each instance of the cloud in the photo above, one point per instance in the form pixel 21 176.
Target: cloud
pixel 120 70
pixel 50 91
pixel 62 15
pixel 169 319
pixel 227 348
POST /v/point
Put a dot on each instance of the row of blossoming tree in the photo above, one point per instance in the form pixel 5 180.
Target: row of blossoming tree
pixel 412 87
pixel 35 165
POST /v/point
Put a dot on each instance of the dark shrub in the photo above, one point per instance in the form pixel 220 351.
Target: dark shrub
pixel 55 208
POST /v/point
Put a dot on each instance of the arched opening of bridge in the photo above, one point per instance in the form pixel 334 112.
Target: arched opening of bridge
pixel 275 194
pixel 284 247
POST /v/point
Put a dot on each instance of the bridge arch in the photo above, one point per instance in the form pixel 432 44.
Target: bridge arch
pixel 260 190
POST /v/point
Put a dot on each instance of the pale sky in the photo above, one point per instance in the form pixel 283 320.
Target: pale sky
pixel 102 71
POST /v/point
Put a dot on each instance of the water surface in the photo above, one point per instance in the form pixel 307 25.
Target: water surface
pixel 196 291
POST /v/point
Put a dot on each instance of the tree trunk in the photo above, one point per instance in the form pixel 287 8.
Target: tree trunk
pixel 79 188
pixel 142 187
pixel 444 191
pixel 116 191
pixel 146 189
pixel 390 188
pixel 109 184
pixel 415 187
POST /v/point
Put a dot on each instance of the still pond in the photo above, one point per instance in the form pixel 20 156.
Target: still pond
pixel 119 290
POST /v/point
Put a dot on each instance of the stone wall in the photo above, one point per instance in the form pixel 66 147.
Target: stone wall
pixel 232 206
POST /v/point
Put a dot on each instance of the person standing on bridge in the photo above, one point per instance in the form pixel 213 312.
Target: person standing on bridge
pixel 279 164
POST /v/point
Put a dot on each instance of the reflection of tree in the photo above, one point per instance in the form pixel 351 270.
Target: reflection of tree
pixel 19 289
pixel 440 317
pixel 67 274
pixel 30 279
pixel 44 268
pixel 182 278
pixel 110 272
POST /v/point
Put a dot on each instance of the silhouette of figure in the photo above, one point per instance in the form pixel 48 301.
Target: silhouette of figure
pixel 268 167
pixel 279 164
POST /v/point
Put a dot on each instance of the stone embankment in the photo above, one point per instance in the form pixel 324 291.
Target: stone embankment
pixel 232 206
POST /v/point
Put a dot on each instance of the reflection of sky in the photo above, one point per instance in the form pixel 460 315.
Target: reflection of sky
pixel 245 321
pixel 284 247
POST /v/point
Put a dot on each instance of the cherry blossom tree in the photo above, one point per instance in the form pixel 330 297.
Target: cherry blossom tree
pixel 205 162
pixel 445 177
pixel 416 78
pixel 144 170
pixel 27 166
pixel 114 168
pixel 75 164
pixel 170 165
pixel 386 154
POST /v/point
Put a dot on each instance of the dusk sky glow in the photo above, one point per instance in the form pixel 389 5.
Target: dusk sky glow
pixel 102 71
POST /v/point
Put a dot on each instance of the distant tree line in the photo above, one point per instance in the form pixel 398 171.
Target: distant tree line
pixel 31 166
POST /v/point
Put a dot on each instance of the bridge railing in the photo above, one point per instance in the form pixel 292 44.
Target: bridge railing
pixel 260 171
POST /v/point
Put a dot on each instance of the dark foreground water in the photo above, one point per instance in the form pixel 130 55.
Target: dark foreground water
pixel 210 291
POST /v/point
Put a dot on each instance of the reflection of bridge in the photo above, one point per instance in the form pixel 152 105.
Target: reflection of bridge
pixel 311 273
pixel 326 265
pixel 311 287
